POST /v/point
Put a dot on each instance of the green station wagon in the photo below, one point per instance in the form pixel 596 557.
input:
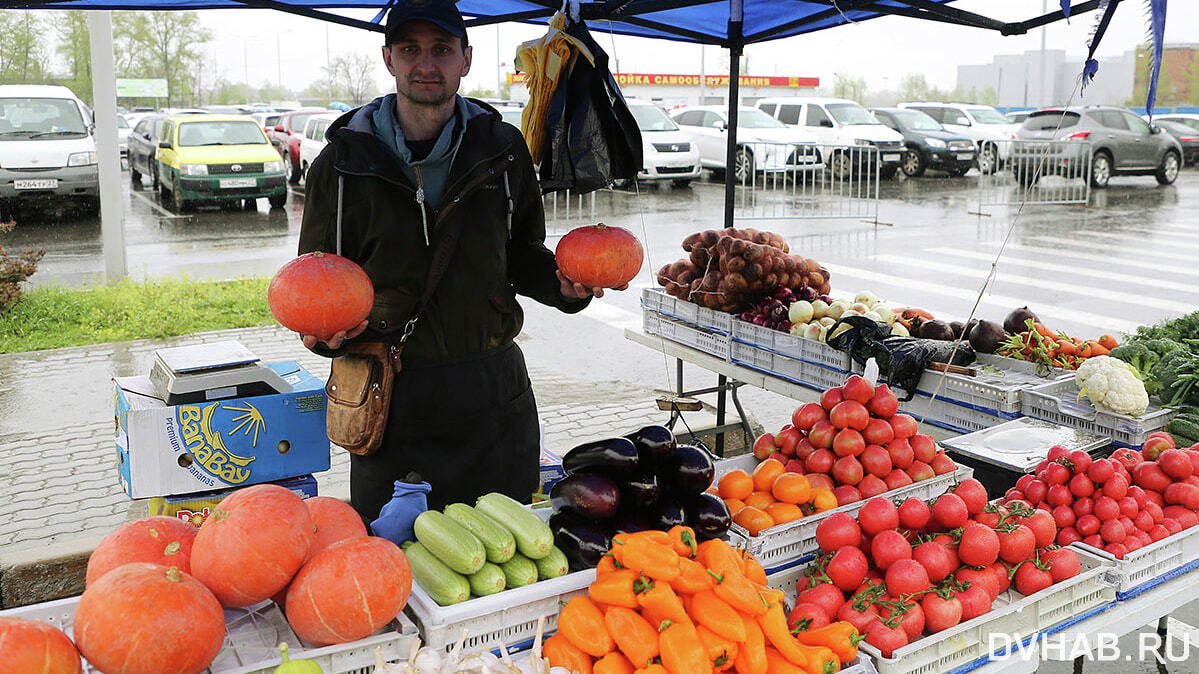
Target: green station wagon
pixel 218 158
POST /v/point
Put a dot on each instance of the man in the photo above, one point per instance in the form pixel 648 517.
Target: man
pixel 401 169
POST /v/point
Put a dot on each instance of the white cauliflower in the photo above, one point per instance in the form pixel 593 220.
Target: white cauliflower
pixel 1112 385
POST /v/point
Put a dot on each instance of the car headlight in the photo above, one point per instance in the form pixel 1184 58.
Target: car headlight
pixel 194 169
pixel 81 159
pixel 862 141
pixel 273 167
pixel 936 142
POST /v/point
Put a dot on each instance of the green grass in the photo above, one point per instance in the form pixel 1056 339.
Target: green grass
pixel 53 317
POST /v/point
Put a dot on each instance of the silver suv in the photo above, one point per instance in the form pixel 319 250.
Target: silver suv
pixel 1122 144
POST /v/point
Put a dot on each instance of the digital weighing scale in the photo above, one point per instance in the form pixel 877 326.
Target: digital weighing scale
pixel 213 371
pixel 1002 453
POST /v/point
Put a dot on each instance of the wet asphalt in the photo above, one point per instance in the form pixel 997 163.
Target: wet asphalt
pixel 1126 259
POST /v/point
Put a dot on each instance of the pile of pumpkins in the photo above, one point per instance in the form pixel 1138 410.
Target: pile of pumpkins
pixel 156 586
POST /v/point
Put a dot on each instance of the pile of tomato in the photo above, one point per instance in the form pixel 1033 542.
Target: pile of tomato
pixel 898 572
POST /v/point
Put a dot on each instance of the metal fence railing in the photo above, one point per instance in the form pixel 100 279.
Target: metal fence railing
pixel 798 181
pixel 1039 172
pixel 564 210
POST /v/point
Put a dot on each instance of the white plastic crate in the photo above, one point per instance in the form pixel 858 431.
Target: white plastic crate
pixel 508 617
pixel 1059 402
pixel 1152 565
pixel 683 333
pixel 792 346
pixel 997 388
pixel 966 646
pixel 798 371
pixel 655 299
pixel 951 416
pixel 252 638
pixel 785 544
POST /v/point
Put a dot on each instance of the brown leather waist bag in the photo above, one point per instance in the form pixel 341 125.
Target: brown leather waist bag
pixel 359 395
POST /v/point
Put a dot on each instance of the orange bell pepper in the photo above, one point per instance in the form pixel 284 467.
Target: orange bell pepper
pixel 693 577
pixel 713 613
pixel 615 588
pixel 683 541
pixel 682 652
pixel 740 593
pixel 655 560
pixel 562 653
pixel 633 634
pixel 721 652
pixel 613 663
pixel 751 653
pixel 721 558
pixel 583 625
pixel 840 637
pixel 659 603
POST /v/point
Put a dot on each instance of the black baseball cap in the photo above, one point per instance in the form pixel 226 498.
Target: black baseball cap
pixel 442 13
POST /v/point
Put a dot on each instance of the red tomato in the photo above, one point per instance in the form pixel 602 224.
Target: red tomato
pixel 1043 527
pixel 1016 545
pixel 1112 531
pixel 822 434
pixel 940 613
pixel 979 545
pixel 907 576
pixel 1175 463
pixel 1116 487
pixel 1063 516
pixel 1081 485
pixel 1030 580
pixel 1155 445
pixel 1057 452
pixel 824 595
pixel 857 388
pixel 821 461
pixel 839 530
pixel 919 471
pixel 830 398
pixel 1087 525
pixel 847 494
pixel 1056 473
pixel 1100 471
pixel 847 568
pixel 879 432
pixel 1058 495
pixel 912 622
pixel 938 560
pixel 923 447
pixel 879 514
pixel 1067 536
pixel 888 547
pixel 887 639
pixel 914 514
pixel 950 512
pixel 848 442
pixel 1106 508
pixel 807 616
pixel 876 460
pixel 884 404
pixel 1127 458
pixel 847 470
pixel 872 486
pixel 850 414
pixel 942 464
pixel 1083 506
pixel 896 479
pixel 975 602
pixel 805 416
pixel 901 453
pixel 904 425
pixel 1035 490
pixel 973 493
pixel 1081 460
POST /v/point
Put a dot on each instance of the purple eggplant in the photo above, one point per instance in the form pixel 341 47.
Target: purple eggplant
pixel 708 516
pixel 667 513
pixel 611 456
pixel 584 543
pixel 654 443
pixel 640 490
pixel 629 520
pixel 689 471
pixel 592 496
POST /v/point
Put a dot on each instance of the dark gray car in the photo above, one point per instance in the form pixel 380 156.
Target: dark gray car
pixel 143 144
pixel 1121 144
pixel 928 144
pixel 1188 137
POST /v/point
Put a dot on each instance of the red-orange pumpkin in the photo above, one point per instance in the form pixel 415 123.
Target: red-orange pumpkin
pixel 32 647
pixel 349 591
pixel 144 618
pixel 158 540
pixel 599 256
pixel 320 294
pixel 252 544
pixel 335 520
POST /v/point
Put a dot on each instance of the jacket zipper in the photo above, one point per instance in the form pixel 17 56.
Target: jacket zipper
pixel 420 203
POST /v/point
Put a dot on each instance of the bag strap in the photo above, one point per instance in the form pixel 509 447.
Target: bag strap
pixel 442 253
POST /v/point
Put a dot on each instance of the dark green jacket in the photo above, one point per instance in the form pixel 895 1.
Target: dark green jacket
pixel 474 308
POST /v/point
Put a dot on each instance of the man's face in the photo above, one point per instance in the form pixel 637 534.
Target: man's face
pixel 427 62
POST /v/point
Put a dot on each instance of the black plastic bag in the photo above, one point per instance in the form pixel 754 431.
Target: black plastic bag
pixel 593 139
pixel 904 359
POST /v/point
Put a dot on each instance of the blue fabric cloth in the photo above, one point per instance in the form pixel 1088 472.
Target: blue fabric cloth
pixel 395 519
pixel 434 168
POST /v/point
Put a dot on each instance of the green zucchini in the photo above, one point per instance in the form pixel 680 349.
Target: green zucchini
pixel 497 541
pixel 552 565
pixel 450 542
pixel 1184 426
pixel 519 571
pixel 533 536
pixel 442 583
pixel 487 580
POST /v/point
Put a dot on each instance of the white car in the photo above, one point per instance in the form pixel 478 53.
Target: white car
pixel 764 143
pixel 983 124
pixel 667 152
pixel 47 152
pixel 312 139
pixel 838 121
pixel 123 131
pixel 1187 118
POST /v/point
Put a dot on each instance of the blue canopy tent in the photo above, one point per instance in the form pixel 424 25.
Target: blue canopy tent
pixel 732 24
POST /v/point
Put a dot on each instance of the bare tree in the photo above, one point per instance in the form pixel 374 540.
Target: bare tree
pixel 354 74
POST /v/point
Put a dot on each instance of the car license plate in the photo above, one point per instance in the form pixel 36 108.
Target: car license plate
pixel 39 184
pixel 238 182
pixel 966 155
pixel 891 157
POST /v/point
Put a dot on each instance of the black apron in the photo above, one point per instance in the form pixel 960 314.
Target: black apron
pixel 469 427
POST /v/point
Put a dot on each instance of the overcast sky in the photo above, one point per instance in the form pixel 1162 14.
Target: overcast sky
pixel 881 50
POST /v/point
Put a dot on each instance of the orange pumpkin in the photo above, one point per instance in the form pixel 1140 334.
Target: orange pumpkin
pixel 144 618
pixel 252 544
pixel 32 647
pixel 349 591
pixel 599 256
pixel 158 540
pixel 335 520
pixel 320 294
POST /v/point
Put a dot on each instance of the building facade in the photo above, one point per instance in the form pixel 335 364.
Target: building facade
pixel 1037 79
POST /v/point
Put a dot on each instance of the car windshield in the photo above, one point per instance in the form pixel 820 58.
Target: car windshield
pixel 299 120
pixel 650 118
pixel 851 114
pixel 40 117
pixel 1050 120
pixel 1193 123
pixel 916 120
pixel 192 134
pixel 988 116
pixel 753 118
pixel 122 123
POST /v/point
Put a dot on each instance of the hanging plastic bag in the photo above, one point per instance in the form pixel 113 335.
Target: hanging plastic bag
pixel 546 62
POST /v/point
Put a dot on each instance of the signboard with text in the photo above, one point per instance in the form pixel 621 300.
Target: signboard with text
pixel 659 79
pixel 147 88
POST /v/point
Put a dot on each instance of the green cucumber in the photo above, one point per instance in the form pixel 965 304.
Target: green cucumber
pixel 487 580
pixel 450 542
pixel 519 571
pixel 442 583
pixel 533 536
pixel 552 565
pixel 497 541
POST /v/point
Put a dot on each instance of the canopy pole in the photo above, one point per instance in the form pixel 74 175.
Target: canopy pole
pixel 730 158
pixel 108 157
